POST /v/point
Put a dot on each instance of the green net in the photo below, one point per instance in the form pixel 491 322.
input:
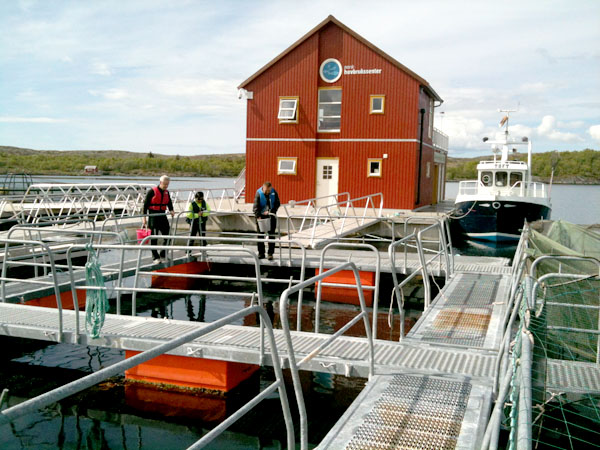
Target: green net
pixel 565 375
pixel 96 302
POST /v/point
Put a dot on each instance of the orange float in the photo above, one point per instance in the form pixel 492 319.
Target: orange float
pixel 189 372
pixel 344 294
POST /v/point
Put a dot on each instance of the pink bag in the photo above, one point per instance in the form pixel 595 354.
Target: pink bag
pixel 142 233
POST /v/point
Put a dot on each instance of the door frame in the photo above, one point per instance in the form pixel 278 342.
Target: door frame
pixel 336 158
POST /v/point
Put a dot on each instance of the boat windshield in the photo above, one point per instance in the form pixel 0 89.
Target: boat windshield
pixel 501 178
pixel 515 177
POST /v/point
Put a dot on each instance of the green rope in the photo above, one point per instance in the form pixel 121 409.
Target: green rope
pixel 96 303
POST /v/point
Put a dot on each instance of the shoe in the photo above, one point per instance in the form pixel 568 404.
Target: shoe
pixel 156 261
pixel 261 256
pixel 270 257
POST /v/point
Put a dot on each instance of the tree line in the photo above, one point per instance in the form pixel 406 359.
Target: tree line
pixel 569 166
pixel 36 162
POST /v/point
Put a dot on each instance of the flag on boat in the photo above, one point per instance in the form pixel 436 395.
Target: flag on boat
pixel 503 121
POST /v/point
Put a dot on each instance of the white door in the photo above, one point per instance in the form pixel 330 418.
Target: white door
pixel 327 179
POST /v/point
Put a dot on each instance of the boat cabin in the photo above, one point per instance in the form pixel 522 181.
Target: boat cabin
pixel 502 174
pixel 334 114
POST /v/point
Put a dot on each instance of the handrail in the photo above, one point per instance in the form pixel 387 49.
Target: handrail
pixel 54 282
pixel 283 314
pixel 422 269
pixel 321 284
pixel 311 203
pixel 359 219
pixel 425 263
pixel 60 393
pixel 444 240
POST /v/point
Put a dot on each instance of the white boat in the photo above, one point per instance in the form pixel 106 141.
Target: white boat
pixel 495 206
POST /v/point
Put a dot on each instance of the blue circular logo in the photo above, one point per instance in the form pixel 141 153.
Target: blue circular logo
pixel 331 70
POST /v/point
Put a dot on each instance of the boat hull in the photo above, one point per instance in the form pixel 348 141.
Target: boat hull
pixel 495 221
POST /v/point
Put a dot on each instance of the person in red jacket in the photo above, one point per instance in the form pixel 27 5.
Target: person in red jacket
pixel 156 204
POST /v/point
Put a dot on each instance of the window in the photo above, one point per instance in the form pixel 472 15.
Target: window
pixel 374 167
pixel 487 178
pixel 288 107
pixel 286 166
pixel 428 171
pixel 501 178
pixel 430 129
pixel 377 104
pixel 327 172
pixel 515 177
pixel 330 110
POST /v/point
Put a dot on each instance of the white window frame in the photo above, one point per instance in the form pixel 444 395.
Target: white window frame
pixel 281 171
pixel 286 119
pixel 377 111
pixel 319 103
pixel 430 128
pixel 373 174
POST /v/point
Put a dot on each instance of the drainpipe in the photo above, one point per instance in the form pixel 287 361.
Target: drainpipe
pixel 422 112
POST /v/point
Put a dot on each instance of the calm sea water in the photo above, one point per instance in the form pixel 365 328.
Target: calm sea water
pixel 116 415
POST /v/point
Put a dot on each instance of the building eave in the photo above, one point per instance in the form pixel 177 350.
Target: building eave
pixel 331 19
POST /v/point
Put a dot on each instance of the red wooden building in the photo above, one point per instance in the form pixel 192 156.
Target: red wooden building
pixel 333 113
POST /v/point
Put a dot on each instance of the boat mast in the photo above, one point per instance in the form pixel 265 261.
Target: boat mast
pixel 504 121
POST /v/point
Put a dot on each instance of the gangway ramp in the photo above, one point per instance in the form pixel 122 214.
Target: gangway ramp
pixel 407 411
pixel 321 235
pixel 327 219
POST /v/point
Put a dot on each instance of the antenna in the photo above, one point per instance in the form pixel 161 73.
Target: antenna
pixel 506 118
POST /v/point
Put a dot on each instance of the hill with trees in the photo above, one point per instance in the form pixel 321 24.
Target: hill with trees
pixel 576 167
pixel 114 162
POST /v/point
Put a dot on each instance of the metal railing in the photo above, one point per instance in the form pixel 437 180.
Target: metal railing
pixel 339 216
pixel 416 240
pixel 41 401
pixel 440 139
pixel 310 208
pixel 518 189
pixel 239 185
pixel 320 285
pixel 294 365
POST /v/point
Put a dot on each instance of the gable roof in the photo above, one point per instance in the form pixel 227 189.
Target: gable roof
pixel 331 19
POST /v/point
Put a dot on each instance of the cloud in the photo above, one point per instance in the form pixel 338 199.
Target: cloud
pixel 594 132
pixel 8 119
pixel 99 68
pixel 548 129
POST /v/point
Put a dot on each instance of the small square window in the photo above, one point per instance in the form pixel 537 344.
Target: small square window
pixel 286 166
pixel 327 172
pixel 374 168
pixel 288 110
pixel 377 104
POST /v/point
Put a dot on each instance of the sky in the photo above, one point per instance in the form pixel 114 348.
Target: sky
pixel 162 76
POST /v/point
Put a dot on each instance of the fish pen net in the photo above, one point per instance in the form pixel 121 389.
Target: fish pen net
pixel 560 316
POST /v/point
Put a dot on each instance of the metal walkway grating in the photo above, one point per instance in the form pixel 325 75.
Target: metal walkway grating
pixel 573 376
pixel 409 411
pixel 465 312
pixel 241 343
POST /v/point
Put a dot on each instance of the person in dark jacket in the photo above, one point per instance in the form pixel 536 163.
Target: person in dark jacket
pixel 197 215
pixel 156 204
pixel 266 204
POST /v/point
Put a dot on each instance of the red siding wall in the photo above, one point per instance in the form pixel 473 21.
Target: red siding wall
pixel 261 157
pixel 297 74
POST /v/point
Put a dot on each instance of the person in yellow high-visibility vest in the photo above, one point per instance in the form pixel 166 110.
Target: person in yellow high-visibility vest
pixel 197 216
